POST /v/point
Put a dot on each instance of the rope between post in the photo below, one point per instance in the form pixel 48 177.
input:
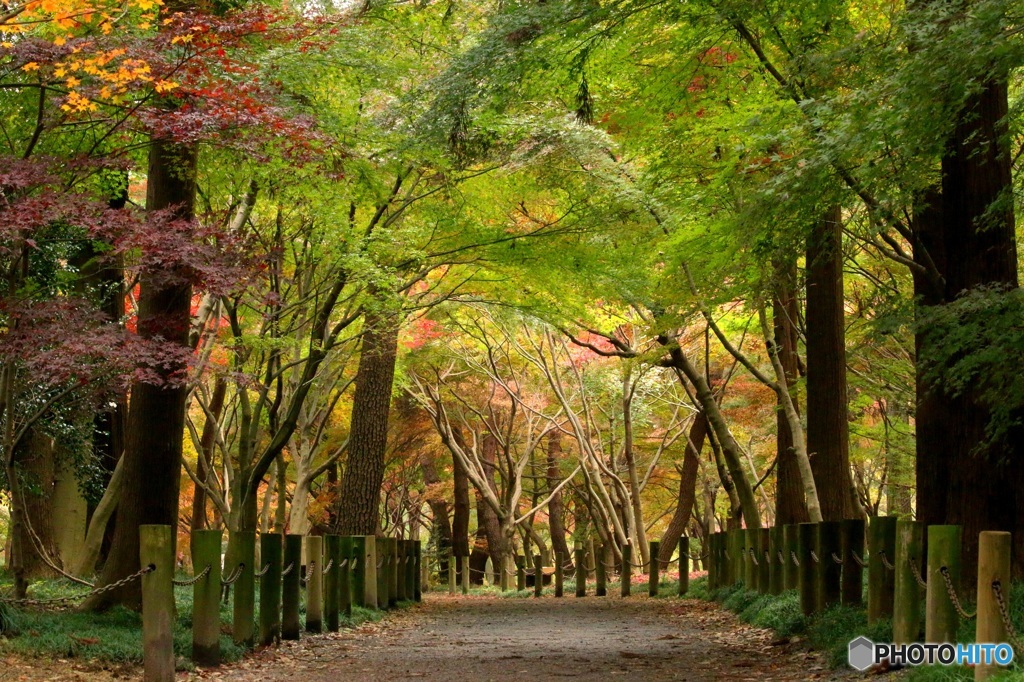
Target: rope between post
pixel 859 561
pixel 1004 614
pixel 814 557
pixel 792 555
pixel 193 580
pixel 263 572
pixel 885 560
pixel 233 578
pixel 27 601
pixel 916 573
pixel 288 569
pixel 951 591
pixel 836 559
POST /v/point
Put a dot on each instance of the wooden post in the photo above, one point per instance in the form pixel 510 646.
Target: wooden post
pixel 852 548
pixel 451 573
pixel 559 574
pixel 684 563
pixel 370 568
pixel 382 573
pixel 291 587
pixel 465 576
pixel 940 617
pixel 626 576
pixel 805 545
pixel 270 588
pixel 206 598
pixel 401 570
pixel 790 546
pixel 906 616
pixel 652 570
pixel 764 560
pixel 411 570
pixel 738 562
pixel 156 549
pixel 345 576
pixel 581 570
pixel 358 570
pixel 538 575
pixel 393 594
pixel 332 556
pixel 993 568
pixel 243 615
pixel 314 583
pixel 591 558
pixel 520 573
pixel 601 570
pixel 749 557
pixel 503 569
pixel 881 581
pixel 829 570
pixel 777 561
pixel 711 564
pixel 420 582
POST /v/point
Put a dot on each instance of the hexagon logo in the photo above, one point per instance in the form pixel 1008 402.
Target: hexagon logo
pixel 861 653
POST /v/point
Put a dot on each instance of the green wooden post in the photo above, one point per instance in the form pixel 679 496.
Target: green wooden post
pixel 590 557
pixel 738 562
pixel 270 588
pixel 940 617
pixel 993 569
pixel 728 575
pixel 411 571
pixel 790 547
pixel 750 560
pixel 420 579
pixel 684 563
pixel 581 570
pixel 601 570
pixel 764 560
pixel 345 576
pixel 851 549
pixel 400 570
pixel 653 574
pixel 156 549
pixel 777 561
pixel 906 609
pixel 711 563
pixel 626 575
pixel 538 575
pixel 559 574
pixel 451 573
pixel 243 619
pixel 382 573
pixel 805 545
pixel 881 580
pixel 520 573
pixel 505 572
pixel 291 587
pixel 332 557
pixel 370 568
pixel 829 566
pixel 358 570
pixel 393 576
pixel 314 583
pixel 206 598
pixel 465 575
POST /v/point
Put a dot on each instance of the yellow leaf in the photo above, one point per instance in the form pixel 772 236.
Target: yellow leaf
pixel 31 66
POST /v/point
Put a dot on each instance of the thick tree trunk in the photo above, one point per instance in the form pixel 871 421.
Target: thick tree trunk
pixel 156 416
pixel 556 508
pixel 359 499
pixel 441 528
pixel 36 470
pixel 687 490
pixel 790 506
pixel 460 516
pixel 827 421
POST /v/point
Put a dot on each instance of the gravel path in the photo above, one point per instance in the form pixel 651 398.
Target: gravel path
pixel 480 639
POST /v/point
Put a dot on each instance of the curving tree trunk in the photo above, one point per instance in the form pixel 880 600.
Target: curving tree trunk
pixel 687 490
pixel 556 508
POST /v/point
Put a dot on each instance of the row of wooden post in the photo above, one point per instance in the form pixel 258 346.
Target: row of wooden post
pixel 579 558
pixel 340 572
pixel 825 562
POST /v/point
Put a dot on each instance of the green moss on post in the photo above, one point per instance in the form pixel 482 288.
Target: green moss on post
pixel 852 548
pixel 206 598
pixel 270 588
pixel 520 573
pixel 359 570
pixel 581 570
pixel 243 617
pixel 684 565
pixel 465 576
pixel 808 587
pixel 906 609
pixel 345 576
pixel 395 572
pixel 653 574
pixel 994 549
pixel 421 580
pixel 776 561
pixel 764 560
pixel 538 575
pixel 411 569
pixel 400 570
pixel 291 588
pixel 452 578
pixel 382 573
pixel 881 580
pixel 941 620
pixel 750 562
pixel 790 547
pixel 314 583
pixel 626 576
pixel 829 567
pixel 156 549
pixel 370 565
pixel 601 570
pixel 559 574
pixel 332 556
pixel 736 551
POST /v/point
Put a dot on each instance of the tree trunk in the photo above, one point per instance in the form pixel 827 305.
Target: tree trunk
pixel 460 517
pixel 556 509
pixel 156 416
pixel 36 469
pixel 441 528
pixel 206 443
pixel 827 420
pixel 359 498
pixel 790 506
pixel 687 490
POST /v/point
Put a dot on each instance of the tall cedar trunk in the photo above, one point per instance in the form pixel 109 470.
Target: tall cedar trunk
pixel 790 505
pixel 827 422
pixel 487 520
pixel 460 515
pixel 36 467
pixel 556 509
pixel 156 415
pixel 359 500
pixel 441 528
pixel 972 244
pixel 206 443
pixel 687 490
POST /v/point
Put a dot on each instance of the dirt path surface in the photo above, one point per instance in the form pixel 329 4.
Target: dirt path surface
pixel 488 638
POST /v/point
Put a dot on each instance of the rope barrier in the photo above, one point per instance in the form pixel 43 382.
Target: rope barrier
pixel 836 559
pixel 233 578
pixel 329 566
pixel 1004 614
pixel 309 571
pixel 263 572
pixel 857 560
pixel 26 601
pixel 782 559
pixel 796 561
pixel 885 561
pixel 194 579
pixel 951 591
pixel 814 557
pixel 288 570
pixel 917 574
pixel 753 557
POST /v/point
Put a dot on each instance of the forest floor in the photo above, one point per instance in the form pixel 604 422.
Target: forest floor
pixel 493 638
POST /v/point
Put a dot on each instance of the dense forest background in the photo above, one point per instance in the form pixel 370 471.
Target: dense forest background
pixel 505 275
